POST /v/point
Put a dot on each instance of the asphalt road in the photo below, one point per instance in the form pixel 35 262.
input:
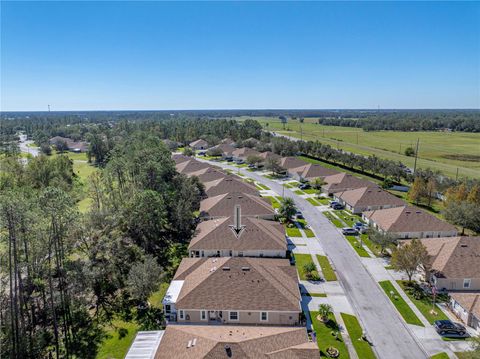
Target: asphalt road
pixel 384 327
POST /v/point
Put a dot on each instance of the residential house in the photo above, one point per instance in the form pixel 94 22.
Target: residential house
pixel 258 238
pixel 199 144
pixel 229 184
pixel 270 155
pixel 208 174
pixel 214 342
pixel 453 263
pixel 234 290
pixel 243 153
pixel 292 162
pixel 228 141
pixel 367 199
pixel 341 182
pixel 409 222
pixel 224 204
pixel 191 166
pixel 466 306
pixel 226 149
pixel 179 158
pixel 172 145
pixel 72 145
pixel 311 171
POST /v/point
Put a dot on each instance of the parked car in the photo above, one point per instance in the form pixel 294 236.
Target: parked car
pixel 239 162
pixel 202 153
pixel 304 186
pixel 448 328
pixel 251 165
pixel 338 206
pixel 332 203
pixel 349 231
pixel 361 227
pixel 299 215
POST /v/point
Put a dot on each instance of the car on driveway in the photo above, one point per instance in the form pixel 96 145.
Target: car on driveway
pixel 337 206
pixel 304 186
pixel 361 227
pixel 299 215
pixel 349 231
pixel 448 328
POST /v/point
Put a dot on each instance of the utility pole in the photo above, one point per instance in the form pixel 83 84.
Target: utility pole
pixel 301 132
pixel 357 138
pixel 48 108
pixel 456 177
pixel 416 156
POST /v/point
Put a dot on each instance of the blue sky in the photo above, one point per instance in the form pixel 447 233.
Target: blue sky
pixel 152 55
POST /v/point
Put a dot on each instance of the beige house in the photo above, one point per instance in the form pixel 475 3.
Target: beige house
pixel 292 162
pixel 243 153
pixel 229 184
pixel 454 262
pixel 226 149
pixel 215 342
pixel 190 166
pixel 408 222
pixel 311 171
pixel 224 204
pixel 367 199
pixel 466 307
pixel 234 290
pixel 208 174
pixel 270 155
pixel 199 144
pixel 342 182
pixel 228 141
pixel 259 238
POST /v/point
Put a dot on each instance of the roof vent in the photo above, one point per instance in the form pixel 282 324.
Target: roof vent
pixel 408 212
pixel 245 269
pixel 463 245
pixel 189 344
pixel 226 268
pixel 194 342
pixel 418 212
pixel 228 350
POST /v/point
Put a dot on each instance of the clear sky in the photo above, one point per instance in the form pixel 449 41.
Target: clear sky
pixel 152 55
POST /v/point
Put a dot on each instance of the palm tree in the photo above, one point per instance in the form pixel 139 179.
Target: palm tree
pixel 324 311
pixel 287 208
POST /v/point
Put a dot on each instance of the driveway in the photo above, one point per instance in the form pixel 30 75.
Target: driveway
pixel 390 335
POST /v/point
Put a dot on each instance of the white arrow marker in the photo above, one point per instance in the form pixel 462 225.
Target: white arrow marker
pixel 237 226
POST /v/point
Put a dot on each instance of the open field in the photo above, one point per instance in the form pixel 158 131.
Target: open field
pixel 442 151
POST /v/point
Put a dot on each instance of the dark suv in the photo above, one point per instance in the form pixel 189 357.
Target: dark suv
pixel 448 328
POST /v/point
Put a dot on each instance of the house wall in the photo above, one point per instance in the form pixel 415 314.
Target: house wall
pixel 464 315
pixel 245 317
pixel 226 253
pixel 455 283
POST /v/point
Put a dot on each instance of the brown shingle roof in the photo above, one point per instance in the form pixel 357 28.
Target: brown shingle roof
pixel 199 142
pixel 407 219
pixel 190 166
pixel 268 284
pixel 244 152
pixel 226 148
pixel 343 182
pixel 269 154
pixel 291 162
pixel 179 158
pixel 454 257
pixel 229 184
pixel 258 235
pixel 224 204
pixel 468 301
pixel 370 196
pixel 245 342
pixel 208 174
pixel 313 170
pixel 228 141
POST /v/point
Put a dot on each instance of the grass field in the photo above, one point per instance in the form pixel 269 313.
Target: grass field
pixel 119 337
pixel 328 272
pixel 402 306
pixel 440 356
pixel 363 349
pixel 437 150
pixel 325 338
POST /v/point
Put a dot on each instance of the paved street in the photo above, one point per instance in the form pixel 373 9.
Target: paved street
pixel 385 328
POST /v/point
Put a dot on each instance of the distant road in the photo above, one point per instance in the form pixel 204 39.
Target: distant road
pixel 23 144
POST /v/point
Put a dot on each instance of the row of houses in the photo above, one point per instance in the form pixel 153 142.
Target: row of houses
pixel 235 295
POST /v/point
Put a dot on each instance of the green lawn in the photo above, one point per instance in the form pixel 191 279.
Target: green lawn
pixel 293 232
pixel 275 203
pixel 323 200
pixel 310 191
pixel 375 248
pixel 157 296
pixel 309 233
pixel 405 311
pixel 300 261
pixel 348 218
pixel 291 184
pixel 323 295
pixel 313 201
pixel 325 338
pixel 333 219
pixel 355 243
pixel 424 306
pixel 363 349
pixel 328 272
pixel 119 337
pixel 84 205
pixel 299 192
pixel 440 356
pixel 437 150
pixel 262 186
pixel 83 170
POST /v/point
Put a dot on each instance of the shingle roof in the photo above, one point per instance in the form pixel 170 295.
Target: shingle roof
pixel 454 257
pixel 313 170
pixel 244 342
pixel 190 166
pixel 407 219
pixel 258 234
pixel 229 184
pixel 370 196
pixel 268 284
pixel 224 204
pixel 208 174
pixel 343 182
pixel 226 148
pixel 199 142
pixel 269 154
pixel 179 158
pixel 291 162
pixel 228 141
pixel 244 152
pixel 468 301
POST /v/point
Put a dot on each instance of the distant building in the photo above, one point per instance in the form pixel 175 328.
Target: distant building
pixel 311 171
pixel 292 162
pixel 191 166
pixel 259 238
pixel 234 290
pixel 409 222
pixel 341 182
pixel 243 153
pixel 73 146
pixel 199 144
pixel 208 174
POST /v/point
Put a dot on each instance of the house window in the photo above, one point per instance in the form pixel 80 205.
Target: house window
pixel 466 283
pixel 233 315
pixel 240 254
pixel 181 314
pixel 167 308
pixel 263 316
pixel 203 315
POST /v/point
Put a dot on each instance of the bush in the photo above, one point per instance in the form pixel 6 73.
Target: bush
pixel 409 151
